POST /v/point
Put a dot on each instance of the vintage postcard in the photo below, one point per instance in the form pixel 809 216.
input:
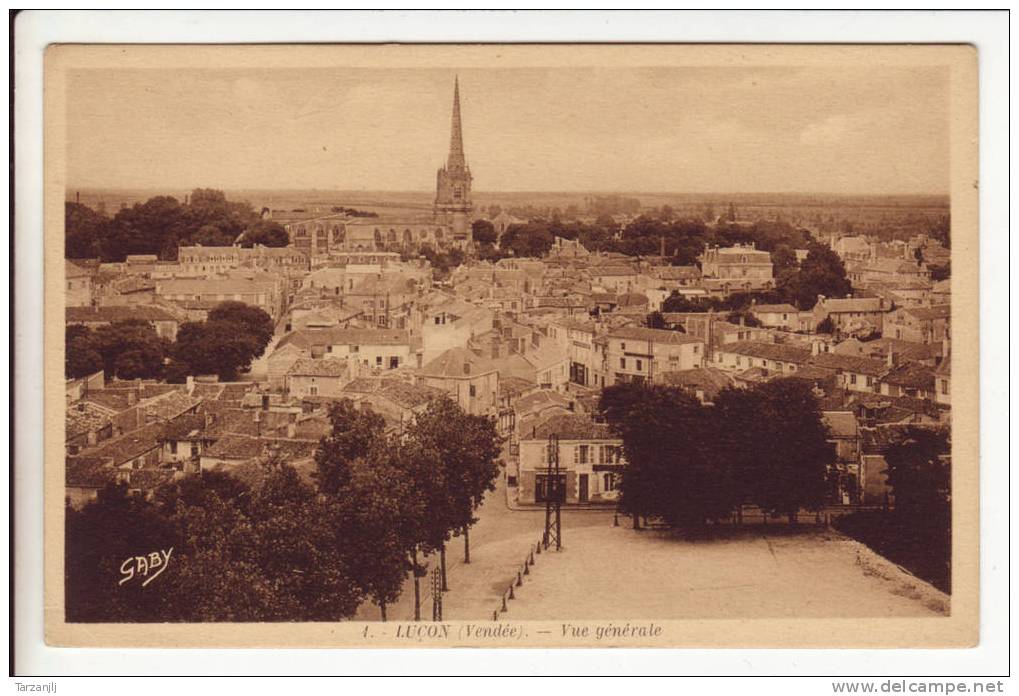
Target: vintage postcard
pixel 511 346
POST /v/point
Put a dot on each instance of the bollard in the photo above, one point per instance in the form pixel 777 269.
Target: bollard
pixel 615 519
pixel 504 603
pixel 495 615
pixel 527 568
pixel 530 557
pixel 511 592
pixel 520 579
pixel 539 547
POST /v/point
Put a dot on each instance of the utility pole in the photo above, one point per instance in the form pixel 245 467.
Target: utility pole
pixel 436 595
pixel 554 492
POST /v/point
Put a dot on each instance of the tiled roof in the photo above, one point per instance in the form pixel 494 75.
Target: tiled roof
pixel 112 313
pixel 324 367
pixel 115 400
pixel 129 445
pixel 768 351
pixel 849 363
pixel 149 478
pixel 73 270
pixel 458 362
pixel 512 385
pixel 571 427
pixel 84 417
pixel 168 405
pixel 853 304
pixel 409 395
pixel 841 423
pixel 774 309
pixel 90 472
pixel 710 380
pixel 638 333
pixel 183 427
pixel 910 375
pixel 306 338
pixel 943 311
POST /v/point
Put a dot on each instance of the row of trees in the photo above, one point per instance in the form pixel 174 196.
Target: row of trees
pixel 224 344
pixel 821 273
pixel 690 464
pixel 161 223
pixel 283 548
pixel 412 493
pixel 683 239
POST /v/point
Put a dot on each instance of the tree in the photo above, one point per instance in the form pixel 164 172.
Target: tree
pixel 529 239
pixel 253 320
pixel 81 354
pixel 130 349
pixel 920 475
pixel 98 539
pixel 468 449
pixel 84 230
pixel 793 455
pixel 222 348
pixel 821 273
pixel 153 227
pixel 826 326
pixel 484 232
pixel 268 233
pixel 669 442
pixel 355 434
pixel 211 236
pixel 783 258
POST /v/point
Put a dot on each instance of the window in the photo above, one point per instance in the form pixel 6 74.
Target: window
pixel 696 349
pixel 852 379
pixel 173 447
pixel 378 360
pixel 313 390
pixel 583 454
pixel 640 365
pixel 870 381
pixel 944 386
pixel 355 349
pixel 473 391
pixel 622 363
pixel 623 346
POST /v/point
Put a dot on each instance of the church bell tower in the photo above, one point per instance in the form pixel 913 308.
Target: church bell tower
pixel 453 182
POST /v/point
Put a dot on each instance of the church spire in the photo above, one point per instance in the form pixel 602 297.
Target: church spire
pixel 456 144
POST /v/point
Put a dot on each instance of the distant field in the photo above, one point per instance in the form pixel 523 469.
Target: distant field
pixel 888 216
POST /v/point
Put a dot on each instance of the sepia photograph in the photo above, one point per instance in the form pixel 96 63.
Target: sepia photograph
pixel 511 345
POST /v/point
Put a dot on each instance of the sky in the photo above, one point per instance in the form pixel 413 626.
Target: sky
pixel 864 130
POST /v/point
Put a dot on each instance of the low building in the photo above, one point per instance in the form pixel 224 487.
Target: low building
pixel 78 285
pixel 852 315
pixel 590 461
pixel 919 324
pixel 637 354
pixel 737 264
pixel 317 377
pixel 778 316
pixel 162 319
pixel 470 380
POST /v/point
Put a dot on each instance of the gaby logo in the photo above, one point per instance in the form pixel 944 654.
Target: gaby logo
pixel 149 567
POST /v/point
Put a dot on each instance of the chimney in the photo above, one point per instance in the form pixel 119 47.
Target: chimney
pixel 291 430
pixel 265 402
pixel 467 367
pixel 815 347
pixel 190 384
pixel 891 359
pixel 132 397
